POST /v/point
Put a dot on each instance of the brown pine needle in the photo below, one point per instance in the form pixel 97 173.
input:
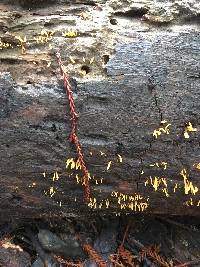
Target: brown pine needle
pixel 94 255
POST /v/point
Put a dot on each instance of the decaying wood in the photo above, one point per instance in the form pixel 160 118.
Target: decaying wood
pixel 134 70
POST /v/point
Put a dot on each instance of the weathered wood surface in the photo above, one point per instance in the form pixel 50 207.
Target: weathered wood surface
pixel 145 70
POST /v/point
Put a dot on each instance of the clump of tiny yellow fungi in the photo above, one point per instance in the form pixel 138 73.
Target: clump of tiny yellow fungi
pixel 70 33
pixel 197 166
pixel 160 130
pixel 22 43
pixel 93 204
pixel 192 202
pixel 156 182
pixel 4 45
pixel 159 165
pixel 176 187
pixel 70 163
pixel 55 176
pixel 76 165
pixel 188 186
pixel 189 128
pixel 44 37
pixel 189 202
pixel 132 202
pixel 73 164
pixel 51 191
pixel 89 61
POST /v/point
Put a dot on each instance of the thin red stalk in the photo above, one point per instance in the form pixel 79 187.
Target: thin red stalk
pixel 73 138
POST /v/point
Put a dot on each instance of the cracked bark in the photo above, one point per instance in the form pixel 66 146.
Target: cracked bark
pixel 145 69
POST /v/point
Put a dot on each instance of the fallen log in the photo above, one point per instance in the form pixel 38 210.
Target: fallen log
pixel 135 81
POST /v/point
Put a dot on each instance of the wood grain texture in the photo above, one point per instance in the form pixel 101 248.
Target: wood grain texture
pixel 143 73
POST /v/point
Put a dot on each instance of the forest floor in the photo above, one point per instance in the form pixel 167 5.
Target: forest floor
pixel 102 241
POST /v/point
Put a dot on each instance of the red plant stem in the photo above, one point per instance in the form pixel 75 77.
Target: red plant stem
pixel 73 138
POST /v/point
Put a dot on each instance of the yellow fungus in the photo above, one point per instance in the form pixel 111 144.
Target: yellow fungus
pixel 120 158
pixel 159 165
pixel 107 203
pixel 77 179
pixel 186 135
pixel 44 37
pixel 188 186
pixel 189 128
pixel 22 43
pixel 92 203
pixel 71 163
pixel 72 60
pixel 78 165
pixel 156 182
pixel 51 191
pixel 83 72
pixel 70 33
pixel 55 176
pixel 159 131
pixel 189 202
pixel 197 166
pixel 163 121
pixel 109 164
pixel 91 60
pixel 5 45
pixel 175 187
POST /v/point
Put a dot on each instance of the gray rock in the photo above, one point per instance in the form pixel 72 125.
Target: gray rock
pixel 68 249
pixel 39 263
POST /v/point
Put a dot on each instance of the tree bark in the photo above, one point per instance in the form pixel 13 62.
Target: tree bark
pixel 134 70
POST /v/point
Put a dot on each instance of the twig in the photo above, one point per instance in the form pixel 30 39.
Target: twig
pixel 125 234
pixel 136 243
pixel 178 224
pixel 68 263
